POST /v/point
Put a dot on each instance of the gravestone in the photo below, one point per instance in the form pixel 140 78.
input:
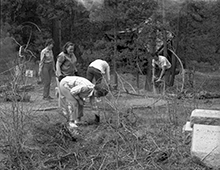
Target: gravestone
pixel 206 145
pixel 187 128
pixel 206 117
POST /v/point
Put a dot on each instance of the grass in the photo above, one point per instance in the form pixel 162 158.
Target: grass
pixel 127 138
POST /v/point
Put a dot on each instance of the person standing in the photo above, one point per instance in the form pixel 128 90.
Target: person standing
pixel 97 70
pixel 66 61
pixel 46 68
pixel 75 89
pixel 65 66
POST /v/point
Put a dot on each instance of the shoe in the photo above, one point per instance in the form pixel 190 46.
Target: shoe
pixel 72 125
pixel 97 118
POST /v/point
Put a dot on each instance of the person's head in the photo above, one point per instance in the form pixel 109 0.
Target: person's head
pixel 100 90
pixel 68 48
pixel 61 77
pixel 49 43
pixel 156 56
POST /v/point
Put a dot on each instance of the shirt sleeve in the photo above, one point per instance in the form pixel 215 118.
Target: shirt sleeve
pixel 153 63
pixel 42 57
pixel 108 72
pixel 61 59
pixel 76 90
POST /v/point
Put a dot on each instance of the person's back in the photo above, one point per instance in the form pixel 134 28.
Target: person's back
pixel 79 85
pixel 162 62
pixel 100 65
pixel 97 69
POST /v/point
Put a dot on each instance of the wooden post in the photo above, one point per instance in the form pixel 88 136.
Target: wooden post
pixel 115 52
pixel 56 34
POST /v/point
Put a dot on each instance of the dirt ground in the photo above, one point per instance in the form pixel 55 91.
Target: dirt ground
pixel 141 131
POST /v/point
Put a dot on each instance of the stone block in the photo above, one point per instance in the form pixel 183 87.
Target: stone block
pixel 187 128
pixel 187 133
pixel 206 117
pixel 206 145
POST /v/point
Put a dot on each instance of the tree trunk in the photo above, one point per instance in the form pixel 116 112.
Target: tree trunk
pixel 148 84
pixel 174 59
pixel 115 53
pixel 167 76
pixel 56 34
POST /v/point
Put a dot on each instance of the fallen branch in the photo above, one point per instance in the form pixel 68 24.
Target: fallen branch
pixel 45 109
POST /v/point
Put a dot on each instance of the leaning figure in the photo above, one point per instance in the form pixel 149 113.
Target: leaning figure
pixel 76 89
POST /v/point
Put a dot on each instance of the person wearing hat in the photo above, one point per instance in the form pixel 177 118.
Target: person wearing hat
pixel 75 89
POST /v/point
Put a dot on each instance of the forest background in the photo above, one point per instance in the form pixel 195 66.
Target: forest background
pixel 89 24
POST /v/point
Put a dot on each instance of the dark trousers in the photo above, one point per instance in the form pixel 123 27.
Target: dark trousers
pixel 94 73
pixel 47 73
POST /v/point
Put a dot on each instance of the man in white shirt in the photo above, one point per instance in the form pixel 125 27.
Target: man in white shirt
pixel 75 89
pixel 163 64
pixel 97 69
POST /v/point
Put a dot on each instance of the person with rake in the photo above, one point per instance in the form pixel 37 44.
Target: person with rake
pixel 163 64
pixel 76 89
pixel 160 66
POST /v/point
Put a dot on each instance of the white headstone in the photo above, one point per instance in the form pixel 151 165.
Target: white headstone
pixel 206 145
pixel 187 127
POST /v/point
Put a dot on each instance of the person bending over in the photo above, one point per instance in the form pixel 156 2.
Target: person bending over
pixel 75 89
pixel 163 64
pixel 97 69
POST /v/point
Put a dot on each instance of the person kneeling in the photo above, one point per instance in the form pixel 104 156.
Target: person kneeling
pixel 75 89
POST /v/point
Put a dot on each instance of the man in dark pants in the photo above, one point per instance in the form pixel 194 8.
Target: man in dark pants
pixel 98 69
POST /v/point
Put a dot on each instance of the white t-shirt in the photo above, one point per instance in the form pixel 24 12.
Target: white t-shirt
pixel 162 62
pixel 103 66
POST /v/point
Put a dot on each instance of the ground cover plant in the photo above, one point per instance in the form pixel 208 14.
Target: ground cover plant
pixel 130 136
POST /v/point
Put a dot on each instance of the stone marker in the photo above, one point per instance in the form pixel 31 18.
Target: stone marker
pixel 207 117
pixel 187 133
pixel 187 128
pixel 206 145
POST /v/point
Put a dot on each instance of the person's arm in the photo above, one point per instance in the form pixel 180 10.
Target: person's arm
pixel 75 92
pixel 58 70
pixel 153 70
pixel 108 73
pixel 54 66
pixel 163 64
pixel 74 65
pixel 161 74
pixel 41 63
pixel 60 60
